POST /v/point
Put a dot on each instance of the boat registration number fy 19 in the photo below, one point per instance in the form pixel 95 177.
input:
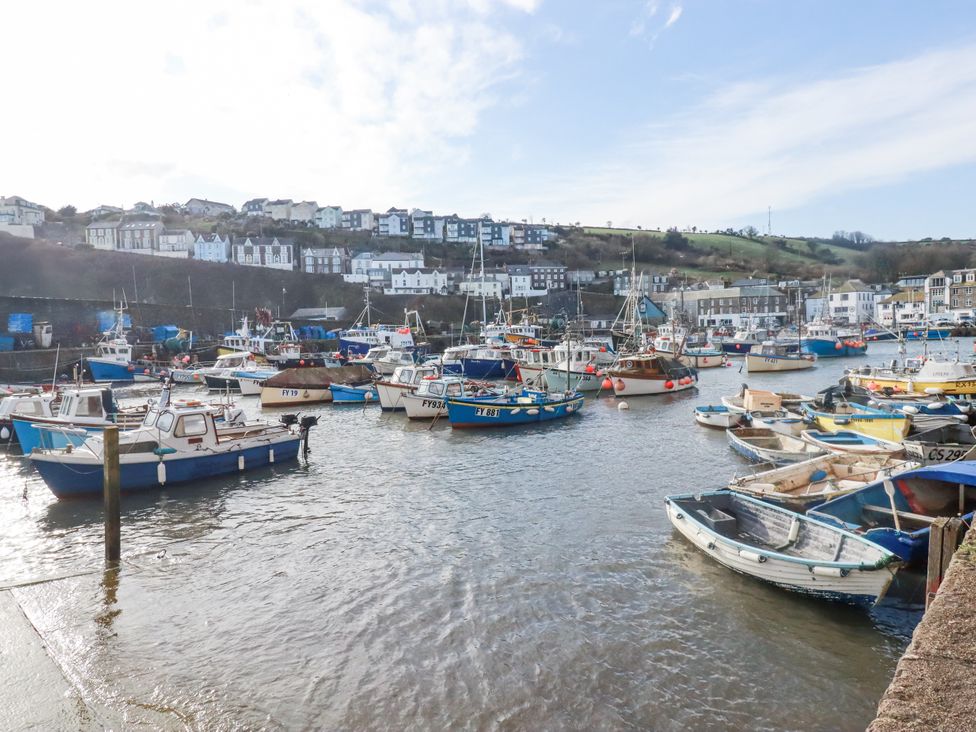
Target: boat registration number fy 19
pixel 289 392
pixel 486 411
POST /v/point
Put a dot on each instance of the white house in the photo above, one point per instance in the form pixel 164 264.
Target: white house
pixel 853 303
pixel 476 287
pixel 329 217
pixel 175 243
pixel 397 260
pixel 254 207
pixel 17 210
pixel 937 292
pixel 359 268
pixel 203 207
pixel 265 251
pixel 325 260
pixel 303 212
pixel 103 235
pixel 904 308
pixel 520 277
pixel 417 282
pixel 212 248
pixel 104 210
pixel 395 222
pixel 140 237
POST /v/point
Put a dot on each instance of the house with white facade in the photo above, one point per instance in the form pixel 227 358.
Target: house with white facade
pixel 520 279
pixel 303 212
pixel 902 309
pixel 328 217
pixel 961 298
pixel 360 219
pixel 474 286
pixel 852 303
pixel 17 210
pixel 103 235
pixel 140 237
pixel 397 260
pixel 936 291
pixel 212 248
pixel 417 282
pixel 647 283
pixel 203 207
pixel 325 260
pixel 264 251
pixel 426 226
pixel 175 243
pixel 395 222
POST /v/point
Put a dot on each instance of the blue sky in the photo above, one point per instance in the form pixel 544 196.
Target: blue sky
pixel 838 115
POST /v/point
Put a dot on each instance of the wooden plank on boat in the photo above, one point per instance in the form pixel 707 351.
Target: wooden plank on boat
pixel 907 515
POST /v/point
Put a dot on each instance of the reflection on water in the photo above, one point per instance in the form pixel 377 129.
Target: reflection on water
pixel 415 576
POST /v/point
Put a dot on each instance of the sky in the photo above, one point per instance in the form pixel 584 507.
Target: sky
pixel 834 115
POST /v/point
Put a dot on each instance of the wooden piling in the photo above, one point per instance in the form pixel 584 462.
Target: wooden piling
pixel 944 538
pixel 111 482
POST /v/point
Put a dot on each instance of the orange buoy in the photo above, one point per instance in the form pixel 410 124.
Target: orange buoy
pixel 838 346
pixel 669 384
pixel 607 383
pixel 590 368
pixel 603 349
pixel 619 386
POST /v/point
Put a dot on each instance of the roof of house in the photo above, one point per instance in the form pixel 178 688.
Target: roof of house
pixel 267 241
pixel 325 251
pixel 421 270
pixel 255 202
pixel 397 256
pixel 211 203
pixel 545 263
pixel 907 296
pixel 853 286
pixel 104 225
pixel 212 238
pixel 280 202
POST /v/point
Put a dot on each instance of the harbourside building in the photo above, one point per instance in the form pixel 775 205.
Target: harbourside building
pixel 734 307
pixel 853 303
pixel 520 277
pixel 103 235
pixel 140 237
pixel 417 282
pixel 329 217
pixel 902 309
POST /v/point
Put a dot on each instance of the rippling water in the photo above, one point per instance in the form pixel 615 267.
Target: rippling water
pixel 422 578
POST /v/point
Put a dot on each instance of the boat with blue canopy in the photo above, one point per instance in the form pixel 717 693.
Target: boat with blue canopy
pixel 897 513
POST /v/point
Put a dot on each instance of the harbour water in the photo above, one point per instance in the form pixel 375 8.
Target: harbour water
pixel 411 577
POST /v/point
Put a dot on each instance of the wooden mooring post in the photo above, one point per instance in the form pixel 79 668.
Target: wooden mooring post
pixel 111 482
pixel 944 538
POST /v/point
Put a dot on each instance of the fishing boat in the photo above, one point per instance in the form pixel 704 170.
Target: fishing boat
pixel 765 446
pixel 479 362
pixel 787 549
pixel 386 364
pixel 832 415
pixel 850 441
pixel 269 335
pixel 250 383
pixel 404 380
pixel 293 387
pixel 24 405
pixel 927 411
pixel 926 333
pixel 427 401
pixel 743 340
pixel 354 393
pixel 176 443
pixel 718 416
pixel 187 373
pixel 942 444
pixel 778 420
pixel 672 341
pixel 918 375
pixel 526 406
pixel 825 341
pixel 223 375
pixel 291 356
pixel 750 400
pixel 650 373
pixel 771 356
pixel 87 409
pixel 801 485
pixel 897 512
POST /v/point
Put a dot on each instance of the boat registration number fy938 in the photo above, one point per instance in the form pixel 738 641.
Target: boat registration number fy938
pixel 486 411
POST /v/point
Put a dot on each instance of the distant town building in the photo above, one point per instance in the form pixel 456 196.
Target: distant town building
pixel 646 283
pixel 548 276
pixel 325 260
pixel 144 209
pixel 395 222
pixel 530 236
pixel 397 260
pixel 359 268
pixel 494 234
pixel 212 248
pixel 103 235
pixel 581 277
pixel 101 211
pixel 476 287
pixel 417 282
pixel 175 243
pixel 461 231
pixel 426 226
pixel 17 210
pixel 279 209
pixel 734 307
pixel 520 279
pixel 140 237
pixel 303 212
pixel 329 217
pixel 853 303
pixel 360 219
pixel 265 251
pixel 903 309
pixel 254 207
pixel 203 207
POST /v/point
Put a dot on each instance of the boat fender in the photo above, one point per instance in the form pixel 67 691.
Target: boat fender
pixel 752 556
pixel 271 455
pixel 622 406
pixel 549 409
pixel 830 571
pixel 908 409
pixel 4 433
pixel 532 412
pixel 240 462
pixel 794 531
pixel 161 472
pixel 817 476
pixel 305 394
pixel 630 364
pixel 517 410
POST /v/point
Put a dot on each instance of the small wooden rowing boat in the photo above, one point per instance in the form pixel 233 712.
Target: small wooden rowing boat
pixel 765 446
pixel 718 416
pixel 787 549
pixel 850 441
pixel 802 485
pixel 749 400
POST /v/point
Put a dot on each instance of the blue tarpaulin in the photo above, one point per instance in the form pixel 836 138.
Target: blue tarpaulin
pixel 20 323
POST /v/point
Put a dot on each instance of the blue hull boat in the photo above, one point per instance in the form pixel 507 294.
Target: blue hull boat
pixel 919 497
pixel 353 348
pixel 927 334
pixel 51 435
pixel 346 394
pixel 832 347
pixel 107 371
pixel 526 407
pixel 482 368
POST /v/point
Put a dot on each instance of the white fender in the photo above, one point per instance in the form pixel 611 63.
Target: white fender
pixel 240 462
pixel 161 472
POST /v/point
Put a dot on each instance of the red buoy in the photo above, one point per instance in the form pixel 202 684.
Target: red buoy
pixel 607 383
pixel 668 384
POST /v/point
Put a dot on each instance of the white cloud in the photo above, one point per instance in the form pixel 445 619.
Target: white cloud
pixel 342 101
pixel 765 143
pixel 673 16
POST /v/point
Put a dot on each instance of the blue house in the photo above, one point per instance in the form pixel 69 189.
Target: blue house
pixel 211 248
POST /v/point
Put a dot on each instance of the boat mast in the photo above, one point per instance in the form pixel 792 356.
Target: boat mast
pixel 484 304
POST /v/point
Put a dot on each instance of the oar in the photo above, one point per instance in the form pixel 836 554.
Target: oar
pixel 889 488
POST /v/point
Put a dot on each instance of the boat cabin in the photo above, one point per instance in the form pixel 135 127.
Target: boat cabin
pixel 31 405
pixel 412 375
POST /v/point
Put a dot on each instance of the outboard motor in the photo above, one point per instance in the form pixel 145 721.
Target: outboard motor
pixel 289 419
pixel 305 426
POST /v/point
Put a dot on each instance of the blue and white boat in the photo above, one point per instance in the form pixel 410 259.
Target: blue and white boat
pixel 846 441
pixel 26 405
pixel 926 334
pixel 479 362
pixel 787 549
pixel 354 394
pixel 113 357
pixel 825 341
pixel 527 406
pixel 719 416
pixel 85 410
pixel 901 522
pixel 765 446
pixel 176 443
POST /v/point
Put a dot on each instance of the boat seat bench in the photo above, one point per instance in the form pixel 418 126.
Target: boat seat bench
pixel 907 515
